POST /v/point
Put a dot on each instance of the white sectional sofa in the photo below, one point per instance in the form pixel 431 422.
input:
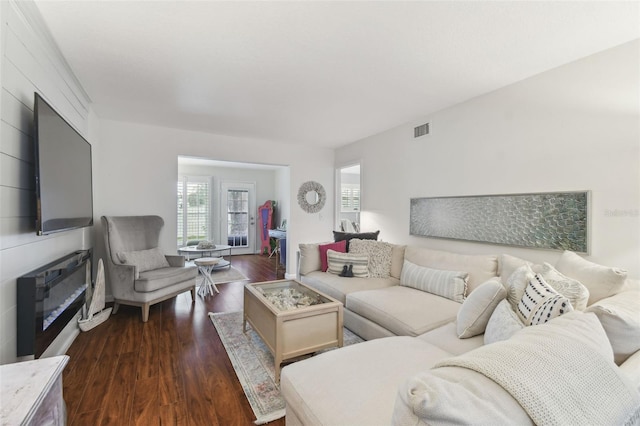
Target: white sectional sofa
pixel 414 369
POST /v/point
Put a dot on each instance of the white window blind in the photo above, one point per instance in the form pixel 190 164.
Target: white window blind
pixel 350 198
pixel 238 217
pixel 194 209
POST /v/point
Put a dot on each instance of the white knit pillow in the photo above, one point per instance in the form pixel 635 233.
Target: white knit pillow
pixel 336 262
pixel 449 284
pixel 379 254
pixel 541 303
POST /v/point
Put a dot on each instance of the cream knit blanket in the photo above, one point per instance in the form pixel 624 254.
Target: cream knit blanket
pixel 557 379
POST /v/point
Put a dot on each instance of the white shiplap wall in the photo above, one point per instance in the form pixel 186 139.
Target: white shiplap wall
pixel 31 62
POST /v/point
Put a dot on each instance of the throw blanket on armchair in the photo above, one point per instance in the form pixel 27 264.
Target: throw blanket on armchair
pixel 560 373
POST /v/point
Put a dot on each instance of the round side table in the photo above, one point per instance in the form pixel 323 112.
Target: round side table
pixel 205 266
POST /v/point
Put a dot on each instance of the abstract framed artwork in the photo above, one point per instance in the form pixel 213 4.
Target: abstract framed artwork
pixel 551 220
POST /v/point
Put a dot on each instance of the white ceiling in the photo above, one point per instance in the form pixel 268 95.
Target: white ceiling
pixel 317 73
pixel 206 162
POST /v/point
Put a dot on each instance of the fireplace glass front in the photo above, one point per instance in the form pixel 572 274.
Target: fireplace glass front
pixel 48 298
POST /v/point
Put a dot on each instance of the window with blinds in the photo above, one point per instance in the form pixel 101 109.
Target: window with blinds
pixel 350 197
pixel 194 209
pixel 238 217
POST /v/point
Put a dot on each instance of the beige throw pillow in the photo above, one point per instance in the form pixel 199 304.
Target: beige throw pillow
pixel 602 281
pixel 508 264
pixel 477 308
pixel 620 318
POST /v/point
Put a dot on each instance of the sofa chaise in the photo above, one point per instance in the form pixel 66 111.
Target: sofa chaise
pixel 437 351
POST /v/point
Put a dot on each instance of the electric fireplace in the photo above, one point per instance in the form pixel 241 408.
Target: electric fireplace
pixel 48 298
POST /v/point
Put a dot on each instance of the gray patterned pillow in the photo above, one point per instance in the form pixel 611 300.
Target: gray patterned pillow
pixel 572 289
pixel 379 254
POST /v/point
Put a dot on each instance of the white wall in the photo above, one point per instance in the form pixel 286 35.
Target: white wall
pixel 137 168
pixel 30 63
pixel 576 127
pixel 283 195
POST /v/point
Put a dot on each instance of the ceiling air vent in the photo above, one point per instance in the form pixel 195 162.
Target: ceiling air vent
pixel 421 130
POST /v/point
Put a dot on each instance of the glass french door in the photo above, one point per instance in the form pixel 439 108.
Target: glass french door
pixel 238 216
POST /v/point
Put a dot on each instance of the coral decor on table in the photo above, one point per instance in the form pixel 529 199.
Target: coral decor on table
pixel 286 299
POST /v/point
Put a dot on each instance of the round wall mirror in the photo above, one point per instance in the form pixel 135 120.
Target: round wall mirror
pixel 311 197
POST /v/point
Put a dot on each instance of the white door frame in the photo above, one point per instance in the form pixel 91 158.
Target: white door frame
pixel 225 186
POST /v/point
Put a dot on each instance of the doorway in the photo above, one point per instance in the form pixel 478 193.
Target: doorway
pixel 238 216
pixel 266 182
pixel 349 193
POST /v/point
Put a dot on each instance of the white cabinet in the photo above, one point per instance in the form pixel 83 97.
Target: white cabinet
pixel 31 392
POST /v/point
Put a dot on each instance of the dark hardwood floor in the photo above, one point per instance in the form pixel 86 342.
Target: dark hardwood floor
pixel 171 370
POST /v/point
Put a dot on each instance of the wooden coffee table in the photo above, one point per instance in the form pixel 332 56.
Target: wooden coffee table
pixel 292 330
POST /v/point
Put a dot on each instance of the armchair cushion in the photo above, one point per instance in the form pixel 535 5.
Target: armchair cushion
pixel 144 260
pixel 160 278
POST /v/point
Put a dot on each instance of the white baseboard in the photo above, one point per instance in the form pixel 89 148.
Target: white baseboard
pixel 63 341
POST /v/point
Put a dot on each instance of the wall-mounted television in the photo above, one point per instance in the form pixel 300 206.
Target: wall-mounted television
pixel 63 173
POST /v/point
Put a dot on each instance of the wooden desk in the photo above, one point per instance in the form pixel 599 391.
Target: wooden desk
pixel 280 250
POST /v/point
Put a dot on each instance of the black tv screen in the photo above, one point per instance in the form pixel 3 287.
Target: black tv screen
pixel 63 173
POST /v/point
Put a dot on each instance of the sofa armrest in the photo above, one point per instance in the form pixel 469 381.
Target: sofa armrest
pixel 175 260
pixel 631 368
pixel 308 258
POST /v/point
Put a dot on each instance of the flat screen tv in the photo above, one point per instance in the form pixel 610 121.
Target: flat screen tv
pixel 63 173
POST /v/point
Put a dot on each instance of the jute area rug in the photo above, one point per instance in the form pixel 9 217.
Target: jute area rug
pixel 253 364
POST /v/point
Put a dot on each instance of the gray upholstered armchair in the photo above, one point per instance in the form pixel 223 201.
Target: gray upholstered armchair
pixel 139 274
